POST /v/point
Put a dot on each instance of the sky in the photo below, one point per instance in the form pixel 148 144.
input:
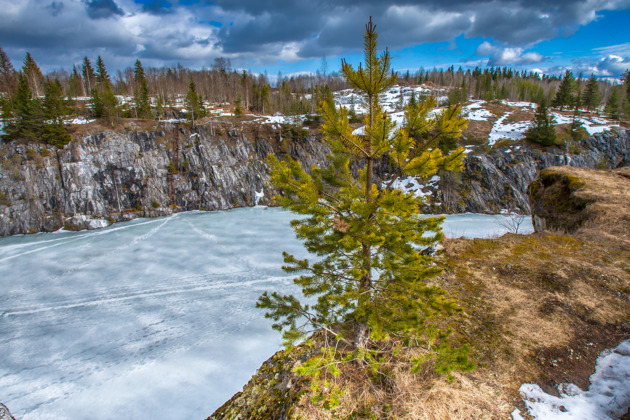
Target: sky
pixel 295 36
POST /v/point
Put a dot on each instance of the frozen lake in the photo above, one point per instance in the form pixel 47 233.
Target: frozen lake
pixel 149 319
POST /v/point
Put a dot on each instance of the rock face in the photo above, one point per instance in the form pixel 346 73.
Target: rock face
pixel 499 179
pixel 114 176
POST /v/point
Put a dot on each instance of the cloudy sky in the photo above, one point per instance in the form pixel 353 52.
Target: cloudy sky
pixel 589 36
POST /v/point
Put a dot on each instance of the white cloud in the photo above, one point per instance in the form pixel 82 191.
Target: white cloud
pixel 507 56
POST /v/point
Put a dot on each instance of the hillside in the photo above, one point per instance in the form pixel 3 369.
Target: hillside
pixel 537 309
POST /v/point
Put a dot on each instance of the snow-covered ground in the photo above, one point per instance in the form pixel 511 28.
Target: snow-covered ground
pixel 149 319
pixel 607 398
pixel 390 100
pixel 512 131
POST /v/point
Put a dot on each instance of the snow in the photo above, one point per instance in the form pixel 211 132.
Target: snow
pixel 520 104
pixel 511 131
pixel 390 100
pixel 479 115
pixel 258 195
pixel 79 121
pixel 607 398
pixel 148 319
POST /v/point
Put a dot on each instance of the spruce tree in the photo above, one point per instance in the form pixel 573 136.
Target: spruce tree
pixel 592 95
pixel 542 130
pixel 564 95
pixel 141 92
pixel 369 290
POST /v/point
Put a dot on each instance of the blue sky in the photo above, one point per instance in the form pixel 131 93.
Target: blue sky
pixel 588 36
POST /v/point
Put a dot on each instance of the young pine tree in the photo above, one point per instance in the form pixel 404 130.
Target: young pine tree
pixel 370 288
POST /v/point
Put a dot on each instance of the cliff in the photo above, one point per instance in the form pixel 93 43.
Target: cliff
pixel 117 175
pixel 113 176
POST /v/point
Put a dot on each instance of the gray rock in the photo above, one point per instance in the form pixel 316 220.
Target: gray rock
pixel 116 176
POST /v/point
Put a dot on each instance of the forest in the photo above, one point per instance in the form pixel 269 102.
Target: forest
pixel 36 107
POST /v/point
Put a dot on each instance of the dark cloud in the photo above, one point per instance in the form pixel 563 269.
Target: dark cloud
pixel 158 7
pixel 253 32
pixel 327 27
pixel 55 7
pixel 102 9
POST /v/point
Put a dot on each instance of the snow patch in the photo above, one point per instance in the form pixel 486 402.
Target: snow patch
pixel 511 131
pixel 607 398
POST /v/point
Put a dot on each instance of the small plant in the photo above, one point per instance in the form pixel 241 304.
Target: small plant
pixel 155 204
pixel 4 199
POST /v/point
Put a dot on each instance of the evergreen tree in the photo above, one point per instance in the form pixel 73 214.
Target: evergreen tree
pixel 75 83
pixel 54 107
pixel 193 103
pixel 592 95
pixel 238 110
pixel 613 104
pixel 564 95
pixel 54 131
pixel 141 92
pixel 8 77
pixel 104 102
pixel 542 130
pixel 370 288
pixel 28 113
pixel 33 75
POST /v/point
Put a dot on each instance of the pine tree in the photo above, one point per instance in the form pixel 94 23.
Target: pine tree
pixel 564 95
pixel 370 288
pixel 542 130
pixel 592 95
pixel 33 75
pixel 141 92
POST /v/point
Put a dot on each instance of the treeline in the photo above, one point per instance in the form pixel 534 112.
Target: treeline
pixel 29 99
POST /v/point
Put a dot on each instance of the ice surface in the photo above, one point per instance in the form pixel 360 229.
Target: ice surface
pixel 607 398
pixel 148 319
